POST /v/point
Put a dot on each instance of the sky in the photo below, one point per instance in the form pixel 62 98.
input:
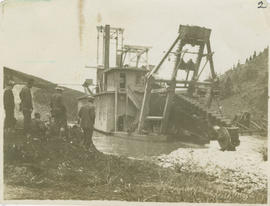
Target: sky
pixel 56 39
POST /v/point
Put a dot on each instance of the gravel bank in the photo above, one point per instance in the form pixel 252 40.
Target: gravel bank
pixel 242 170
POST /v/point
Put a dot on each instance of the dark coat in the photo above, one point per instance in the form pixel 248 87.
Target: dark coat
pixel 87 116
pixel 8 99
pixel 57 105
pixel 26 99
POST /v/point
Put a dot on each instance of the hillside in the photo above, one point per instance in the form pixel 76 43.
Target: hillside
pixel 245 87
pixel 42 92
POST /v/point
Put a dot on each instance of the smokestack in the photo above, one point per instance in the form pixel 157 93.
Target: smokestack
pixel 107 47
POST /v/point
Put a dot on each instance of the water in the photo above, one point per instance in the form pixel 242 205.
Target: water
pixel 128 147
pixel 138 149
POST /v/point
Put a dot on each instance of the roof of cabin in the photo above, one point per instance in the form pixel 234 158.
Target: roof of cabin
pixel 127 69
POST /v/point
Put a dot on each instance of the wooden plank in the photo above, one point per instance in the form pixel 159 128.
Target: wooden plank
pixel 137 47
pixel 198 61
pixel 107 47
pixel 145 104
pixel 209 51
pixel 154 117
pixel 115 109
pixel 183 82
pixel 126 111
pixel 167 108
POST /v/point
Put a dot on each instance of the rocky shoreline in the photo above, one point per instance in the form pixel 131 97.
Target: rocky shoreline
pixel 241 170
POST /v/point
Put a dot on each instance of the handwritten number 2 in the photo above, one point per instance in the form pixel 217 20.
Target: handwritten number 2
pixel 260 5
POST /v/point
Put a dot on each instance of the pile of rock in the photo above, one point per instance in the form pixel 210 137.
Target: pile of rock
pixel 243 169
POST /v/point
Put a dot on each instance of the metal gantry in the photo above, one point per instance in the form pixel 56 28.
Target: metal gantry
pixel 108 34
pixel 187 35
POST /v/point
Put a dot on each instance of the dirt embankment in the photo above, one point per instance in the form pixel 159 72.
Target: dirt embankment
pixel 59 169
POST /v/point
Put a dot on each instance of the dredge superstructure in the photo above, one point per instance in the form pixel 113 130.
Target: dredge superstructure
pixel 133 99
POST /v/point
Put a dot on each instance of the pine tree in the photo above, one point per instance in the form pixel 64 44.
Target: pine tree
pixel 228 87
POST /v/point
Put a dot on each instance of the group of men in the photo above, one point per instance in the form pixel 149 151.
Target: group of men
pixel 86 113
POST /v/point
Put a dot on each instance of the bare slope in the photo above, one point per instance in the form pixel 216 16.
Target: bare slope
pixel 245 87
pixel 42 92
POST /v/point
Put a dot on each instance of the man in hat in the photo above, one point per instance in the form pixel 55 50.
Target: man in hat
pixel 87 119
pixel 9 106
pixel 26 105
pixel 58 110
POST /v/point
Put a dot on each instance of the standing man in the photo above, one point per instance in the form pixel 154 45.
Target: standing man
pixel 9 106
pixel 26 105
pixel 58 110
pixel 87 119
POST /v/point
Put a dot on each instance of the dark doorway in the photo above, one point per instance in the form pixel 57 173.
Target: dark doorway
pixel 120 123
pixel 122 80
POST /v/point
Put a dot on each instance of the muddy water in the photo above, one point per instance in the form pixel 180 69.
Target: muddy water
pixel 136 148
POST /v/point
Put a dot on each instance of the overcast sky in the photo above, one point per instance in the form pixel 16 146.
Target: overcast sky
pixel 55 39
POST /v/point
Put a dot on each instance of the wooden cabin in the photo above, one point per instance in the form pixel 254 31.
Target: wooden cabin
pixel 119 102
pixel 121 73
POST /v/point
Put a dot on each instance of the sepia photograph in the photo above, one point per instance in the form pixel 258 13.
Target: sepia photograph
pixel 135 101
